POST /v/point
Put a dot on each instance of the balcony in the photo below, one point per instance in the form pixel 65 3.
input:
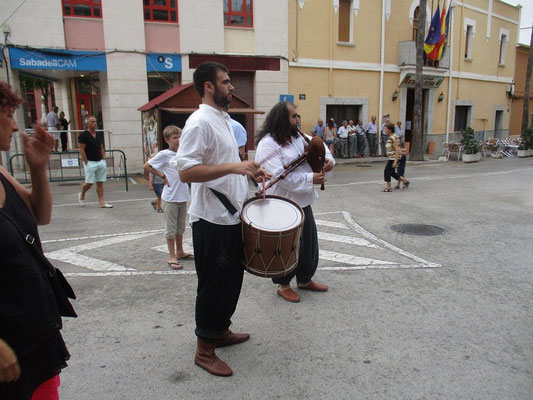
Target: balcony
pixel 407 56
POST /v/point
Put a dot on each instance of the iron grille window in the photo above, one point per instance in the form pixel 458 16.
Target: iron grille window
pixel 161 10
pixel 239 13
pixel 82 8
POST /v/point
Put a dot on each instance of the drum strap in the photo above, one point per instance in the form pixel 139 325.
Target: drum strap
pixel 224 200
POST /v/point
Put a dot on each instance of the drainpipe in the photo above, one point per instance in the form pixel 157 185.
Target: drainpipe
pixel 448 110
pixel 381 74
pixel 330 54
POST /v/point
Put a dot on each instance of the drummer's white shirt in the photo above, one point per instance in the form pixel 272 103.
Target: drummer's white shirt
pixel 297 185
pixel 208 138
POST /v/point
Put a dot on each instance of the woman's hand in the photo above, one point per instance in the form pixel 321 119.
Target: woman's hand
pixel 9 366
pixel 37 148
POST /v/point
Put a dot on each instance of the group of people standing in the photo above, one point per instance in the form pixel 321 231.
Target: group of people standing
pixel 349 140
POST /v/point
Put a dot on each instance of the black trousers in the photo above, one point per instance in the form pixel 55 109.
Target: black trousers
pixel 217 255
pixel 64 141
pixel 389 171
pixel 401 165
pixel 308 255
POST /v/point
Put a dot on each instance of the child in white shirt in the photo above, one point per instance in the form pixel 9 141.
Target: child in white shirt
pixel 175 196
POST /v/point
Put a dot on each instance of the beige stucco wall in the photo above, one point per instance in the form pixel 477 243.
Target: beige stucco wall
pixel 320 67
pixel 239 40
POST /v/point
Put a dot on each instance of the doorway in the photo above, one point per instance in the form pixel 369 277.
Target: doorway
pixel 410 113
pixel 88 102
pixel 498 124
pixel 344 112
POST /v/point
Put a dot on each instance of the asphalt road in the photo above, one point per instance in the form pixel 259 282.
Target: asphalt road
pixel 406 317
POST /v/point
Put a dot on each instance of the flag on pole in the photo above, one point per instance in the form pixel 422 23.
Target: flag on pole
pixel 434 54
pixel 433 36
pixel 443 46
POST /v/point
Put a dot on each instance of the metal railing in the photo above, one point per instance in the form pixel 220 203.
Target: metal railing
pixel 68 166
pixel 73 133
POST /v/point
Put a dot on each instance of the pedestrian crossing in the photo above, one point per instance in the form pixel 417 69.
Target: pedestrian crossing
pixel 344 246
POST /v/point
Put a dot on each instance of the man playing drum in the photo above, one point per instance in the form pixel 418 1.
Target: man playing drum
pixel 278 144
pixel 208 157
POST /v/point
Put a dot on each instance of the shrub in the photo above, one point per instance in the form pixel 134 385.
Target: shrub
pixel 527 138
pixel 469 142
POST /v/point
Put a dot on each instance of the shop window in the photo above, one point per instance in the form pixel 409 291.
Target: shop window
pixel 239 13
pixel 345 21
pixel 161 10
pixel 82 8
pixel 160 82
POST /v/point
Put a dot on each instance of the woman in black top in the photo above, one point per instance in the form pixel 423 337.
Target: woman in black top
pixel 32 351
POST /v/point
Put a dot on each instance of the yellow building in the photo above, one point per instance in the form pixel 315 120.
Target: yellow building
pixel 522 53
pixel 351 59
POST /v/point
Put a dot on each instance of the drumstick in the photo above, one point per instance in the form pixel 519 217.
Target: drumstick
pixel 264 193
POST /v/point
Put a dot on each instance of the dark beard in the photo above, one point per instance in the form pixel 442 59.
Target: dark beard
pixel 293 130
pixel 221 100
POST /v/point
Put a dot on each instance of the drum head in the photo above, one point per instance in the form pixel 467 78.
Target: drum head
pixel 273 214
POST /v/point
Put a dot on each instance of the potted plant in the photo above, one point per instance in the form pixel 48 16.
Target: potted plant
pixel 527 140
pixel 471 147
pixel 522 149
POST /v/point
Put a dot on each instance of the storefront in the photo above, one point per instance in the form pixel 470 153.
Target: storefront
pixel 76 78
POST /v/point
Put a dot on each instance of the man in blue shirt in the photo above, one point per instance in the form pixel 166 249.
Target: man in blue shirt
pixel 240 136
pixel 318 129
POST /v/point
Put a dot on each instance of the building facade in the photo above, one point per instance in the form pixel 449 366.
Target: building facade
pixel 351 59
pixel 109 57
pixel 522 53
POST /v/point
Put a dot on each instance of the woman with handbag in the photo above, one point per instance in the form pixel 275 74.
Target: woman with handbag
pixel 32 351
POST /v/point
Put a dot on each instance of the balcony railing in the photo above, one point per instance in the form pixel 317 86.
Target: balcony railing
pixel 407 56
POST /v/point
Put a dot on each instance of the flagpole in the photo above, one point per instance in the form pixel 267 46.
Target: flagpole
pixel 448 110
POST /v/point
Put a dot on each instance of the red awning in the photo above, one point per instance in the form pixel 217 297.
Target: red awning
pixel 163 97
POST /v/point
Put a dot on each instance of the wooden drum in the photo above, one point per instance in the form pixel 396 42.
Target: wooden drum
pixel 271 230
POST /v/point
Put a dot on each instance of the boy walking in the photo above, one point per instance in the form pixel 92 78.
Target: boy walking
pixel 175 196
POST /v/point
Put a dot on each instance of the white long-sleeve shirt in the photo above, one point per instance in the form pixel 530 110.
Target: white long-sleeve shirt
pixel 208 138
pixel 297 185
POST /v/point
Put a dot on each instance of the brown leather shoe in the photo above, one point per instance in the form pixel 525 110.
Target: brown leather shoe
pixel 227 338
pixel 313 286
pixel 206 358
pixel 289 295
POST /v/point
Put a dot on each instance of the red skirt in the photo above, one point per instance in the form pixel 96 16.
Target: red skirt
pixel 48 390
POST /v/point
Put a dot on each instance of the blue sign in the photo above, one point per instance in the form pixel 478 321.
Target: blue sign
pixel 163 62
pixel 56 59
pixel 289 98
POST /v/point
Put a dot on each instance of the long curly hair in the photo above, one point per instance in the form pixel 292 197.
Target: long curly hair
pixel 278 125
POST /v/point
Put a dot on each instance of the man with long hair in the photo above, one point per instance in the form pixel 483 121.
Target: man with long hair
pixel 279 143
pixel 208 157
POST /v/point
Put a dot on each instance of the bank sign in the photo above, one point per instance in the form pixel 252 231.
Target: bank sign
pixel 54 59
pixel 162 62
